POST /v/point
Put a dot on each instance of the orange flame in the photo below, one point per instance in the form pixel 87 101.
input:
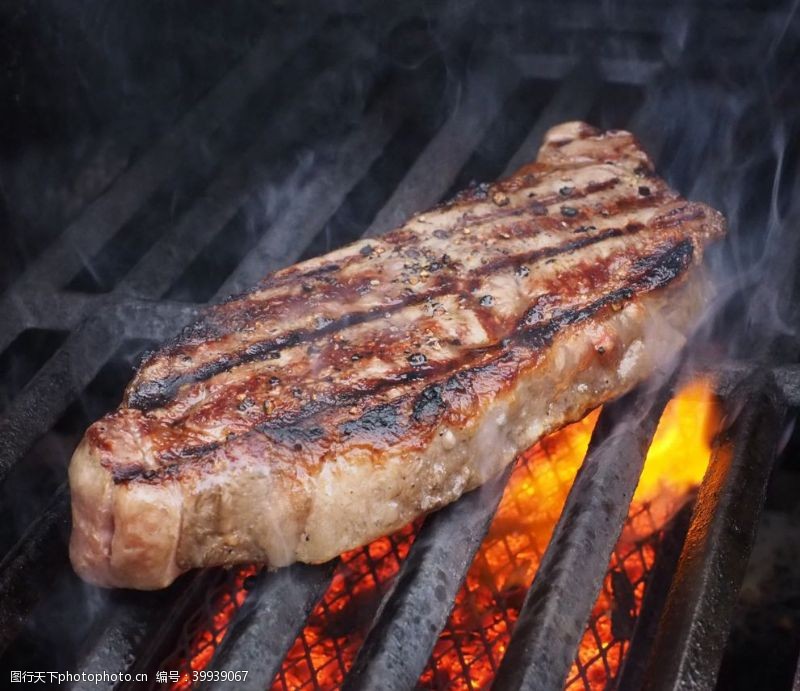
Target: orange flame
pixel 474 640
pixel 675 466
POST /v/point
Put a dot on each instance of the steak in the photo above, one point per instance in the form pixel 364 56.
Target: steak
pixel 346 395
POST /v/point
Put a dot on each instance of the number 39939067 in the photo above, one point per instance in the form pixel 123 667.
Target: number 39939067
pixel 219 675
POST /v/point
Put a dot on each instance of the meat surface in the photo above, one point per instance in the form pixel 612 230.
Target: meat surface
pixel 346 395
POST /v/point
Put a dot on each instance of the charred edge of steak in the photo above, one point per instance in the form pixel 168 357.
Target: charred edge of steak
pixel 657 270
pixel 385 422
pixel 158 392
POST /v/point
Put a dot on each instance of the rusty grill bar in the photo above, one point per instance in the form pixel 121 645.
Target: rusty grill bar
pixel 443 143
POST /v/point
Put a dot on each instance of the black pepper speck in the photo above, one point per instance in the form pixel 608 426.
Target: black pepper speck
pixel 569 211
pixel 417 359
pixel 538 209
pixel 246 404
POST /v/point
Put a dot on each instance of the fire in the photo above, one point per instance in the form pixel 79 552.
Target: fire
pixel 336 628
pixel 675 466
pixel 477 633
pixel 203 645
pixel 680 451
pixel 474 640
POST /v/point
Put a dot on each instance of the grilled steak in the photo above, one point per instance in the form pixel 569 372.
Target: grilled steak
pixel 346 395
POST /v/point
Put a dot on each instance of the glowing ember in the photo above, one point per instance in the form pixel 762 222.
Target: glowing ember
pixel 205 643
pixel 477 633
pixel 472 644
pixel 675 466
pixel 336 628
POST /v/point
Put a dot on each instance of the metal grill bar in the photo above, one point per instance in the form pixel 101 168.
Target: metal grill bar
pixel 560 599
pixel 104 217
pixel 787 379
pixel 192 596
pixel 571 102
pixel 174 251
pixel 414 613
pixel 23 578
pixel 268 624
pixel 68 371
pixel 435 170
pixel 669 550
pixel 311 206
pixel 694 627
pixel 61 311
pixel 122 637
pixel 613 71
pixel 72 367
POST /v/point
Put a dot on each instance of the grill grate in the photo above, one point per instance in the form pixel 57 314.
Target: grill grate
pixel 323 654
pixel 330 117
pixel 470 648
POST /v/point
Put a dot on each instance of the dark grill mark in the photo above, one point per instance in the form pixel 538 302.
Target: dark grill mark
pixel 381 422
pixel 678 216
pixel 429 404
pixel 226 317
pixel 229 315
pixel 565 248
pixel 657 270
pixel 126 473
pixel 290 435
pixel 152 394
pixel 531 334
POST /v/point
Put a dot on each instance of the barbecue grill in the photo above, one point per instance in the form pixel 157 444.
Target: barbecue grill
pixel 284 131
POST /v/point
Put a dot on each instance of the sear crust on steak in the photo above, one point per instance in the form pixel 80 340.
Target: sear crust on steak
pixel 346 395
